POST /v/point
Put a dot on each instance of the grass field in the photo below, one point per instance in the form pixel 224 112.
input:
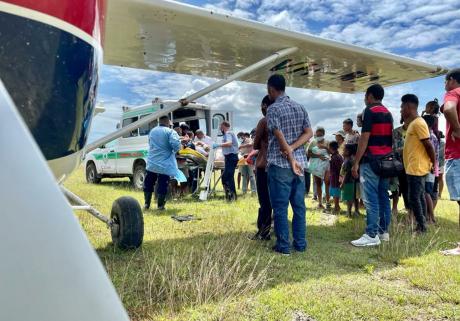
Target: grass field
pixel 208 269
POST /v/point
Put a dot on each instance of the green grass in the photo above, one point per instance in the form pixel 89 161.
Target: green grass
pixel 208 270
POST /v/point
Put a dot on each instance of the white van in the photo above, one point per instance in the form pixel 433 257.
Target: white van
pixel 126 156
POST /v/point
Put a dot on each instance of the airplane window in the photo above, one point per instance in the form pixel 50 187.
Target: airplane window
pixel 128 121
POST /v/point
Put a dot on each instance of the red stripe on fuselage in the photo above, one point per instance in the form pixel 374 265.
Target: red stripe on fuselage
pixel 87 15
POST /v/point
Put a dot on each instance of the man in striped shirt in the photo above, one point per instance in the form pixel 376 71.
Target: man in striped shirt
pixel 375 141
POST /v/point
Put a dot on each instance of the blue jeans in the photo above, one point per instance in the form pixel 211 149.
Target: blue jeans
pixel 376 199
pixel 285 187
pixel 453 178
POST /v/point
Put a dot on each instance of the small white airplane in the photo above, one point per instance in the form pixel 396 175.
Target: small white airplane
pixel 50 55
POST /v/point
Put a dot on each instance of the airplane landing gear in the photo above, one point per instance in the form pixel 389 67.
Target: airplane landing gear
pixel 126 222
pixel 127 226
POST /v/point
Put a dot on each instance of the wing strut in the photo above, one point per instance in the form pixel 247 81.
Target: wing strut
pixel 153 116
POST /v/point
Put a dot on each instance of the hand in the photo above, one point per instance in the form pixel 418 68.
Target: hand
pixel 455 134
pixel 215 146
pixel 287 152
pixel 297 168
pixel 355 171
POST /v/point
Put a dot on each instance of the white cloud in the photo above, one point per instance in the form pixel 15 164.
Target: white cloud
pixel 283 19
pixel 446 56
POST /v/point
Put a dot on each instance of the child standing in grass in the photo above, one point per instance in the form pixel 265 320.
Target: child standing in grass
pixel 334 181
pixel 348 184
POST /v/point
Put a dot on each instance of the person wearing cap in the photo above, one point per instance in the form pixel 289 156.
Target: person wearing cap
pixel 340 139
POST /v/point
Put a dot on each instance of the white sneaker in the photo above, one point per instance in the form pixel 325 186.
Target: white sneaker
pixel 366 240
pixel 384 237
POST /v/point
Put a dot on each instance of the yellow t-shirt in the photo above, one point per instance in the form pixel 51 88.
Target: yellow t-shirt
pixel 416 159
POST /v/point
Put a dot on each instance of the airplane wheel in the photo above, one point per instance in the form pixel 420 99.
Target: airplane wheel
pixel 127 223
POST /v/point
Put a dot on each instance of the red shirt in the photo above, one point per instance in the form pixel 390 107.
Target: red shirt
pixel 378 121
pixel 452 147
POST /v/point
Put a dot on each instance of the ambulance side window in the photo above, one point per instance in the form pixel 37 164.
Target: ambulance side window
pixel 145 130
pixel 128 121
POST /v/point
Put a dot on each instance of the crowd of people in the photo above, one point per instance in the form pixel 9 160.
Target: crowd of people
pixel 282 158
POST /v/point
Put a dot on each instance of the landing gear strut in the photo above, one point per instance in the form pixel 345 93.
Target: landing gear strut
pixel 126 222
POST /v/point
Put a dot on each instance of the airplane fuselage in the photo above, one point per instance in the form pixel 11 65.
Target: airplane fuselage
pixel 50 53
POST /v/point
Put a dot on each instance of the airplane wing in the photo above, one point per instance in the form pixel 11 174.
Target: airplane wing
pixel 174 37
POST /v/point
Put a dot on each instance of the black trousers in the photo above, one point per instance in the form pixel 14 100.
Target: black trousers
pixel 264 219
pixel 416 198
pixel 403 189
pixel 152 178
pixel 193 179
pixel 307 181
pixel 228 176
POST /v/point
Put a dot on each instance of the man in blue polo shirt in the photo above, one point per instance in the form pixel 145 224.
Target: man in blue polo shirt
pixel 230 150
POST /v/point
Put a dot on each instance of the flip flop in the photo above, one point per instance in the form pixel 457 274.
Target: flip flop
pixel 452 252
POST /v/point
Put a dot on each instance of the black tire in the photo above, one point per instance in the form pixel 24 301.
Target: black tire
pixel 138 176
pixel 91 174
pixel 127 228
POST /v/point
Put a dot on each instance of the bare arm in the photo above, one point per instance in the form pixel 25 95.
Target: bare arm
pixel 303 139
pixel 450 112
pixel 284 146
pixel 246 146
pixel 310 153
pixel 229 143
pixel 362 145
pixel 261 127
pixel 430 150
pixel 226 144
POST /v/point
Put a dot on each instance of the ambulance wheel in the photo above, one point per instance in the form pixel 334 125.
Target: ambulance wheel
pixel 91 174
pixel 138 176
pixel 127 227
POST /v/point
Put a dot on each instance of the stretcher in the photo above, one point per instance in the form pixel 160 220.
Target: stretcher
pixel 211 167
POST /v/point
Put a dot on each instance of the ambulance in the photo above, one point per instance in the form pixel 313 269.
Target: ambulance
pixel 127 155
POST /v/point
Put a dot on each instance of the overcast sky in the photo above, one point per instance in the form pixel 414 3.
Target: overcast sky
pixel 421 29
